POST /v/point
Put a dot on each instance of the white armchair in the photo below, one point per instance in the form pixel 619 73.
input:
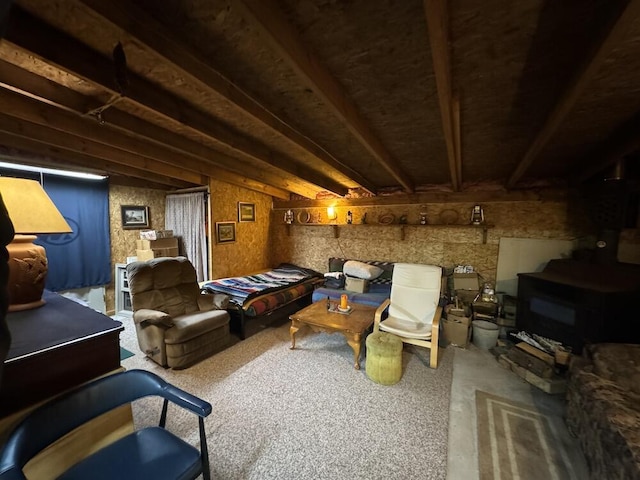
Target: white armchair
pixel 414 314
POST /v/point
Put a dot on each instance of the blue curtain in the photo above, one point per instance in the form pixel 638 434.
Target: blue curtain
pixel 81 258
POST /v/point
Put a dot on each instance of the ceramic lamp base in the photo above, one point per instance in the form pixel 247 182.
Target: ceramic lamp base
pixel 27 273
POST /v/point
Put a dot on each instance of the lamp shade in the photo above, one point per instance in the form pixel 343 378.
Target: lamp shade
pixel 30 208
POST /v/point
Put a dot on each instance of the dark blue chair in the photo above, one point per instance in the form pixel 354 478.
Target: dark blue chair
pixel 152 452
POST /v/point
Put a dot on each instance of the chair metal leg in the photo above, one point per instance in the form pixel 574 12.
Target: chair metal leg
pixel 163 415
pixel 204 451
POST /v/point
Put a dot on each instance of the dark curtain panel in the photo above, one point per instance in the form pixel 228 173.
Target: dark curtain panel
pixel 82 258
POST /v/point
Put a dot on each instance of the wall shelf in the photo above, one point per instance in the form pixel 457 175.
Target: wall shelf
pixel 336 227
pixel 123 293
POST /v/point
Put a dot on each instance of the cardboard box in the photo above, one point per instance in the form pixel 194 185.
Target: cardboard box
pixel 144 255
pixel 144 244
pixel 457 330
pixel 356 285
pixel 155 234
pixel 466 281
pixel 148 254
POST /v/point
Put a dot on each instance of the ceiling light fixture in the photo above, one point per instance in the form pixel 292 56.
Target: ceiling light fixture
pixel 50 171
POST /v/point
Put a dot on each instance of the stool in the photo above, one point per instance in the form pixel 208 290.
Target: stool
pixel 384 358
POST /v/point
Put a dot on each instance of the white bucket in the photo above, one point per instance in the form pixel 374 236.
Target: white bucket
pixel 485 334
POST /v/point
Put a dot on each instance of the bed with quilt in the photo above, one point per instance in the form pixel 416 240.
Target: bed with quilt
pixel 262 298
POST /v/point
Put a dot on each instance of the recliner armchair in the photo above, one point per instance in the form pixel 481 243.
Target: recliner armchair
pixel 176 325
pixel 414 311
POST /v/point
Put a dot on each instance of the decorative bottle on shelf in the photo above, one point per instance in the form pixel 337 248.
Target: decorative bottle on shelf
pixel 349 217
pixel 423 218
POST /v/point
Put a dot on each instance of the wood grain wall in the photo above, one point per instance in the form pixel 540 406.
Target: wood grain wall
pixel 250 252
pixel 123 242
pixel 446 246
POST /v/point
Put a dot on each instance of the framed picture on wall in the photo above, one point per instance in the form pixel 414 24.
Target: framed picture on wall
pixel 246 212
pixel 134 216
pixel 225 232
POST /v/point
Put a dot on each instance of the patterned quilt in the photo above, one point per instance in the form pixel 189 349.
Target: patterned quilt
pixel 266 291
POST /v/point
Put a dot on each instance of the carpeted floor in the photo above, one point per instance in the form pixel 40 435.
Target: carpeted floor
pixel 307 413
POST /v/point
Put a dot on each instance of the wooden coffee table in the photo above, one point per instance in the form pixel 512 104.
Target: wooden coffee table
pixel 352 326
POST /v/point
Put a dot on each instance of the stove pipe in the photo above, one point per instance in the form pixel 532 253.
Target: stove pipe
pixel 610 209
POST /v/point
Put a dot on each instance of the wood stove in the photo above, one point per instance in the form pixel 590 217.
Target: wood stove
pixel 578 302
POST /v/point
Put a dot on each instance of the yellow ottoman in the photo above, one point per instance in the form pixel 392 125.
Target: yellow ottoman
pixel 384 358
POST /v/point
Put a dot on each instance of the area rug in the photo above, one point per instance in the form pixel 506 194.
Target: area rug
pixel 307 413
pixel 520 441
pixel 124 353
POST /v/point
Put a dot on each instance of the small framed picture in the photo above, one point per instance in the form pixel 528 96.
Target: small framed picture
pixel 246 212
pixel 225 232
pixel 134 216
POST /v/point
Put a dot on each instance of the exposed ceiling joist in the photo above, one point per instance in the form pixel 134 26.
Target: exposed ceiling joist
pixel 44 155
pixel 34 36
pixel 68 141
pixel 39 88
pixel 265 15
pixel 48 141
pixel 235 90
pixel 576 87
pixel 438 23
pixel 145 30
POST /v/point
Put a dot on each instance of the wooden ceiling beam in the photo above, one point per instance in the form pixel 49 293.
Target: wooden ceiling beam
pixel 43 154
pixel 265 15
pixel 88 129
pixel 55 47
pixel 36 112
pixel 576 87
pixel 439 40
pixel 121 161
pixel 47 141
pixel 39 88
pixel 150 33
pixel 45 134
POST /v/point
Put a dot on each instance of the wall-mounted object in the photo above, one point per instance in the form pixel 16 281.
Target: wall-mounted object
pixel 477 215
pixel 448 216
pixel 134 216
pixel 423 218
pixel 386 219
pixel 349 217
pixel 288 217
pixel 331 214
pixel 303 217
pixel 225 232
pixel 32 212
pixel 246 212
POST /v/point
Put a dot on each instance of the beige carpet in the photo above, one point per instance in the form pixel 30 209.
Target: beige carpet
pixel 518 441
pixel 307 413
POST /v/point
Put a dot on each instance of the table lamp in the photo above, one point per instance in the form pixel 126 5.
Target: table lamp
pixel 32 212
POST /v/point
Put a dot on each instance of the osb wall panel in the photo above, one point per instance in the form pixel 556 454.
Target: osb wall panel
pixel 123 242
pixel 311 246
pixel 250 251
